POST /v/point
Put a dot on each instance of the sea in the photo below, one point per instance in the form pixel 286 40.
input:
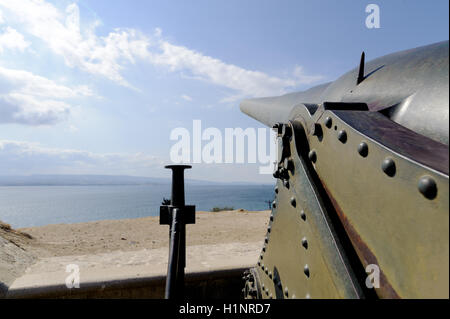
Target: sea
pixel 29 206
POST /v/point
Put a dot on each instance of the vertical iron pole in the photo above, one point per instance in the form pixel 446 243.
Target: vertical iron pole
pixel 174 251
pixel 177 252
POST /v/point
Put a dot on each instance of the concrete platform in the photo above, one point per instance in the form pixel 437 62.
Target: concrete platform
pixel 213 271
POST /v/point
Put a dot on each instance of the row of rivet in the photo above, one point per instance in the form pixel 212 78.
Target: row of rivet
pixel 426 185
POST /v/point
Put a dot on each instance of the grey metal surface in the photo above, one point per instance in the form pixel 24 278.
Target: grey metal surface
pixel 411 86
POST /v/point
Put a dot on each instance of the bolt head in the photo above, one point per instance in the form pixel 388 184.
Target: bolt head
pixel 342 136
pixel 427 186
pixel 312 156
pixel 388 167
pixel 303 215
pixel 293 202
pixel 363 149
pixel 306 271
pixel 305 243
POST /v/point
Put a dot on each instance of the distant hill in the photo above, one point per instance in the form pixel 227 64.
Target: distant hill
pixel 80 180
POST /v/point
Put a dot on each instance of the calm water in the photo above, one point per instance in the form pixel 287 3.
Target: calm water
pixel 26 206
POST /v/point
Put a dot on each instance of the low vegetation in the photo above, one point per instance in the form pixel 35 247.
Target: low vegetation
pixel 221 209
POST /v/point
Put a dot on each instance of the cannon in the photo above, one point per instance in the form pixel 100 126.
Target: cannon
pixel 361 205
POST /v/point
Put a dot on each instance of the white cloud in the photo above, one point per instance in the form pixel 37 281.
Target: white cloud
pixel 186 97
pixel 62 32
pixel 31 99
pixel 108 55
pixel 11 39
pixel 246 83
pixel 21 158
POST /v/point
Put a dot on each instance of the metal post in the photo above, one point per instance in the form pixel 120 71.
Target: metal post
pixel 173 265
pixel 177 215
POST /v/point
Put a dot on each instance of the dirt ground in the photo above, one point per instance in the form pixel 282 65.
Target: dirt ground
pixel 238 226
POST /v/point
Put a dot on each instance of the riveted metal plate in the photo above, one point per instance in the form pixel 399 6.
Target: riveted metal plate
pixel 388 219
pixel 317 269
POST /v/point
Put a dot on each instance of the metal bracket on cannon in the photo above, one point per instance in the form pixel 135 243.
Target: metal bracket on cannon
pixel 176 215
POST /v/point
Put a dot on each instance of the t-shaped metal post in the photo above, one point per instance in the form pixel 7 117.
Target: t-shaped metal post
pixel 177 215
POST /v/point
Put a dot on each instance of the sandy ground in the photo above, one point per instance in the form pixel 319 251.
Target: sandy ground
pixel 128 247
pixel 236 226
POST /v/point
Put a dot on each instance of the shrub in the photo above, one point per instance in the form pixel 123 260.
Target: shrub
pixel 220 209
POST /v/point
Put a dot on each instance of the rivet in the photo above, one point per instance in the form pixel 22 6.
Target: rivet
pixel 305 242
pixel 286 291
pixel 264 248
pixel 293 202
pixel 276 189
pixel 328 122
pixel 259 263
pixel 306 270
pixel 427 186
pixel 271 217
pixel 342 136
pixel 303 215
pixel 266 271
pixel 308 296
pixel 271 296
pixel 269 229
pixel 312 156
pixel 263 286
pixel 266 239
pixel 363 149
pixel 274 204
pixel 270 274
pixel 286 184
pixel 388 167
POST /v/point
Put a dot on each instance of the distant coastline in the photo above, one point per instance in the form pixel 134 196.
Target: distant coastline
pixel 99 180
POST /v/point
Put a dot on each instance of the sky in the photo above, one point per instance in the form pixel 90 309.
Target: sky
pixel 97 87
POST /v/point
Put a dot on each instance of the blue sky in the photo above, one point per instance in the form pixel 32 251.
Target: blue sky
pixel 95 87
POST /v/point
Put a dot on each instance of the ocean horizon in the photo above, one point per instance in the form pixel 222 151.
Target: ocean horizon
pixel 30 206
